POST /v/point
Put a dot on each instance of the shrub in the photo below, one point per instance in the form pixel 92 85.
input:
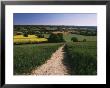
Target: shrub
pixel 25 35
pixel 40 35
pixel 19 33
pixel 74 39
pixel 84 40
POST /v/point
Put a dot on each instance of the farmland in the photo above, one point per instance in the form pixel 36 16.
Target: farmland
pixel 82 58
pixel 68 37
pixel 26 57
pixel 34 45
pixel 20 39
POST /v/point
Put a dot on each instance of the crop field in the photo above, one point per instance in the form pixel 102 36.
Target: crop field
pixel 68 37
pixel 20 39
pixel 27 57
pixel 82 58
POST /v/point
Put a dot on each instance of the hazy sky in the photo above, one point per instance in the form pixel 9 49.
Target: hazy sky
pixel 55 19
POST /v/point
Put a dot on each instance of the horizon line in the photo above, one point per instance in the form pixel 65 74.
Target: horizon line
pixel 54 25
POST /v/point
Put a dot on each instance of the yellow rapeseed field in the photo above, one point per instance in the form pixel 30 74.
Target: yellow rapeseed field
pixel 29 39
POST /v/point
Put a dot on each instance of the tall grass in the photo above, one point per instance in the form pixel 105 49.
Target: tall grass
pixel 82 58
pixel 27 57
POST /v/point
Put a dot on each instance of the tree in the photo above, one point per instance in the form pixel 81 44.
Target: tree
pixel 60 37
pixel 55 38
pixel 40 35
pixel 84 40
pixel 74 39
pixel 25 34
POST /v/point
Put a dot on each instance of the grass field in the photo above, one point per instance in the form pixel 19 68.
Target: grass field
pixel 68 37
pixel 82 58
pixel 26 57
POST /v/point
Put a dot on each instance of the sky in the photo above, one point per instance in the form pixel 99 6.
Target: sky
pixel 76 19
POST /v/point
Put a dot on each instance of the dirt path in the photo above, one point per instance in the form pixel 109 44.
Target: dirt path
pixel 54 66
